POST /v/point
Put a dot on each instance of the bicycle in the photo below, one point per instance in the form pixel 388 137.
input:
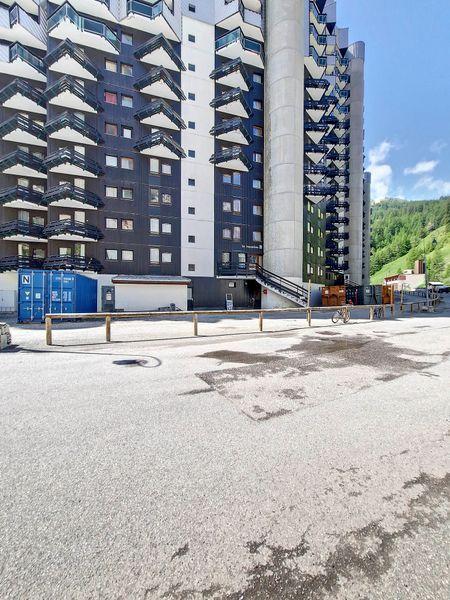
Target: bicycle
pixel 341 315
pixel 378 313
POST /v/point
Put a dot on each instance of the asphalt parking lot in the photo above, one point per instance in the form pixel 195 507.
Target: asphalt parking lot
pixel 294 464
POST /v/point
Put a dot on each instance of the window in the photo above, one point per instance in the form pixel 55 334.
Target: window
pixel 127 132
pixel 226 233
pixel 154 165
pixel 154 226
pixel 257 131
pixel 191 124
pixel 236 233
pixel 127 193
pixel 191 153
pixel 191 182
pixel 166 169
pixel 191 210
pixel 226 258
pixel 257 157
pixel 126 69
pixel 257 78
pixel 226 178
pixel 112 254
pixel 257 210
pixel 257 236
pixel 236 206
pixel 257 184
pixel 226 206
pixel 191 96
pixel 111 129
pixel 166 257
pixel 242 258
pixel 154 256
pixel 110 160
pixel 236 178
pixel 110 97
pixel 191 8
pixel 191 38
pixel 111 192
pixel 191 67
pixel 154 196
pixel 127 255
pixel 127 39
pixel 111 223
pixel 167 199
pixel 127 224
pixel 127 163
pixel 111 65
pixel 191 267
pixel 257 104
pixel 191 239
pixel 127 101
pixel 166 227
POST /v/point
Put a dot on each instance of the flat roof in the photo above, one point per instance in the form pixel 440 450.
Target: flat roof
pixel 151 279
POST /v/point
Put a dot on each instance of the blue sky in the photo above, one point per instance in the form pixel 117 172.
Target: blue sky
pixel 407 93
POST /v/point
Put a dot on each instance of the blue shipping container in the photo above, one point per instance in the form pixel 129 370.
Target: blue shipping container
pixel 43 292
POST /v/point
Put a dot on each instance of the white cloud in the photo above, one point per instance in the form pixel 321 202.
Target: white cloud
pixel 437 146
pixel 438 187
pixel 380 170
pixel 424 166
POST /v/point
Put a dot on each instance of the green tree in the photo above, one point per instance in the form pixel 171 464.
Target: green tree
pixel 436 266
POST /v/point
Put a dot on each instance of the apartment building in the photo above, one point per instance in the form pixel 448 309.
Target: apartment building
pixel 215 140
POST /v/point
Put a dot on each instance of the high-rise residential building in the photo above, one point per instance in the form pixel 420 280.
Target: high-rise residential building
pixel 217 140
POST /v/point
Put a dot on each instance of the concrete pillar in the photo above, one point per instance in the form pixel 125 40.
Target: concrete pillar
pixel 366 228
pixel 284 105
pixel 356 52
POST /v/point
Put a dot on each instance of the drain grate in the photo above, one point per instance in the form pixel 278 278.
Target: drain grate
pixel 130 362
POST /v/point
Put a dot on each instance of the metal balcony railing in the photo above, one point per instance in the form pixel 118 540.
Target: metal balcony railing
pixel 67 155
pixel 22 87
pixel 155 43
pixel 16 262
pixel 20 192
pixel 72 227
pixel 237 36
pixel 229 154
pixel 159 138
pixel 17 51
pixel 160 107
pixel 71 121
pixel 69 84
pixel 160 74
pixel 20 157
pixel 68 48
pixel 69 262
pixel 234 95
pixel 24 124
pixel 231 125
pixel 232 67
pixel 18 227
pixel 72 192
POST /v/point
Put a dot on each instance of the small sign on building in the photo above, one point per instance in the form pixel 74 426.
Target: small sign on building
pixel 229 301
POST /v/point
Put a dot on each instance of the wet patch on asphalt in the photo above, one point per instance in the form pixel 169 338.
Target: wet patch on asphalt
pixel 288 379
pixel 181 552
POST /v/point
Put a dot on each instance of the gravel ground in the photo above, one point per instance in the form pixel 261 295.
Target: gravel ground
pixel 301 463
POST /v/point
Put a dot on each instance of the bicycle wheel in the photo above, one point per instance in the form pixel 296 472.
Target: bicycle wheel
pixel 346 318
pixel 336 317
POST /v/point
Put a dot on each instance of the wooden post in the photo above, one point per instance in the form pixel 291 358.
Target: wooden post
pixel 108 328
pixel 392 311
pixel 308 315
pixel 371 313
pixel 401 298
pixel 48 330
pixel 309 292
pixel 384 311
pixel 261 316
pixel 195 322
pixel 411 307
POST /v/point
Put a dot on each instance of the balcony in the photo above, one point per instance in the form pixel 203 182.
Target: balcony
pixel 14 263
pixel 21 197
pixel 317 41
pixel 341 64
pixel 316 131
pixel 72 231
pixel 235 45
pixel 70 162
pixel 335 220
pixel 20 95
pixel 31 6
pixel 71 128
pixel 233 74
pixel 66 23
pixel 232 130
pixel 67 195
pixel 158 82
pixel 69 59
pixel 315 173
pixel 316 110
pixel 233 159
pixel 318 19
pixel 68 262
pixel 159 52
pixel 315 64
pixel 23 130
pixel 315 152
pixel 336 235
pixel 335 205
pixel 68 93
pixel 23 164
pixel 17 61
pixel 95 8
pixel 331 139
pixel 160 114
pixel 232 103
pixel 238 16
pixel 316 88
pixel 317 193
pixel 152 18
pixel 161 145
pixel 21 231
pixel 16 25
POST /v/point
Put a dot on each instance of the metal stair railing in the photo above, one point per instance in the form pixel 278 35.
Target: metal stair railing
pixel 281 285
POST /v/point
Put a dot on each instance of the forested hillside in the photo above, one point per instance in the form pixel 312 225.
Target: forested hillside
pixel 403 231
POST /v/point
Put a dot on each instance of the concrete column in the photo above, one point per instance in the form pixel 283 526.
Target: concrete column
pixel 366 228
pixel 356 52
pixel 284 105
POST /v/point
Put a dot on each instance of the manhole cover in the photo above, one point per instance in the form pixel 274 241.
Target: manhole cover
pixel 130 362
